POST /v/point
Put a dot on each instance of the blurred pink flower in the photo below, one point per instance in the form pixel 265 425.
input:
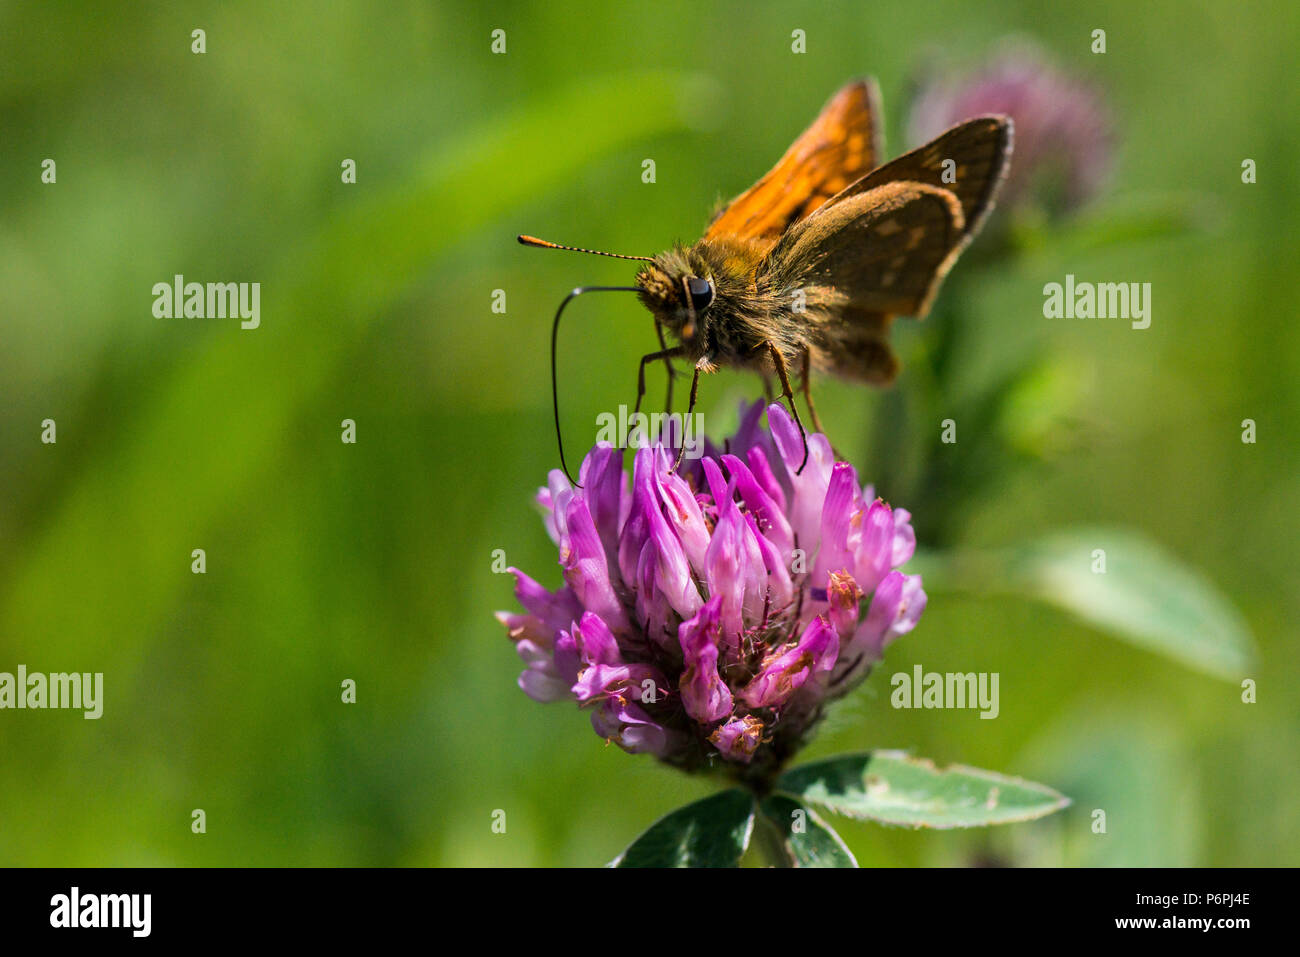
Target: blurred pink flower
pixel 1064 131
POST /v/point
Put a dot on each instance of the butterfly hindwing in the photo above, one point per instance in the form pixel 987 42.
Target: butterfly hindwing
pixel 883 250
pixel 970 161
pixel 840 147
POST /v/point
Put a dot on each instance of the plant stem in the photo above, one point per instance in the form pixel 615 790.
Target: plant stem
pixel 771 843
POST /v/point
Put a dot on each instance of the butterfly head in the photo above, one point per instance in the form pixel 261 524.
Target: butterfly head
pixel 678 287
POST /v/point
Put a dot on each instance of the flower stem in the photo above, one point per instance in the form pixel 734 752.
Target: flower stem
pixel 771 844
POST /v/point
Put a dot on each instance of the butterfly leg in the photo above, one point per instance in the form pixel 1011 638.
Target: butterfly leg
pixel 812 409
pixel 807 391
pixel 666 355
pixel 704 365
pixel 672 372
pixel 782 373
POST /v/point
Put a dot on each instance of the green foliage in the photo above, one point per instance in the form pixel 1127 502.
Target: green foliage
pixel 894 788
pixel 885 786
pixel 804 838
pixel 709 833
pixel 1117 581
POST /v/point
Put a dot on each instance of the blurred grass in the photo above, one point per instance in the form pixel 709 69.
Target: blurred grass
pixel 328 561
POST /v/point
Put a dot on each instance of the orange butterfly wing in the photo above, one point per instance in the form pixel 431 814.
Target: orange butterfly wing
pixel 840 147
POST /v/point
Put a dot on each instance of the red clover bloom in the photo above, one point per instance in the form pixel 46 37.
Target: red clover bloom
pixel 708 615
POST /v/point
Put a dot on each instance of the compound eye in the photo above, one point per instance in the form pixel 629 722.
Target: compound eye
pixel 701 291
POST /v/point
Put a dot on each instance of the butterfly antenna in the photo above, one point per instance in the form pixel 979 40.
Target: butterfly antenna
pixel 544 244
pixel 555 331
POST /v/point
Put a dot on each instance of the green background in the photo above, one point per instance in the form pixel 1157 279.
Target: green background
pixel 373 561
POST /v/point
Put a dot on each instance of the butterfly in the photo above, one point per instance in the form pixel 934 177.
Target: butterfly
pixel 808 267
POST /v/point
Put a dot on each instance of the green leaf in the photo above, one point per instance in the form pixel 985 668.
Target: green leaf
pixel 1145 596
pixel 895 788
pixel 713 832
pixel 806 840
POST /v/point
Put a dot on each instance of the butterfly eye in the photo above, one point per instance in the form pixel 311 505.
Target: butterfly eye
pixel 701 291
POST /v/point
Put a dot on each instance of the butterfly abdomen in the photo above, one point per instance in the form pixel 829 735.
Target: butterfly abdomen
pixel 854 344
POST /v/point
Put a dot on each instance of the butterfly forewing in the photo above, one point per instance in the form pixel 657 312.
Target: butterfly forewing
pixel 840 147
